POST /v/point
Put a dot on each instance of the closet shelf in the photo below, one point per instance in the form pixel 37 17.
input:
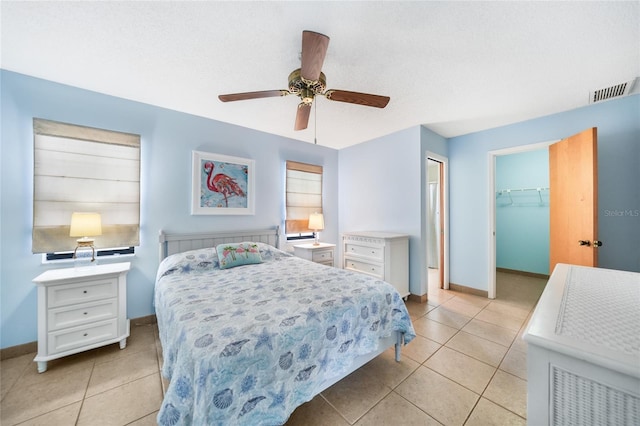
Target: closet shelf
pixel 506 191
pixel 522 192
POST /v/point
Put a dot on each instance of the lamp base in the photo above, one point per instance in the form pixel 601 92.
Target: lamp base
pixel 85 253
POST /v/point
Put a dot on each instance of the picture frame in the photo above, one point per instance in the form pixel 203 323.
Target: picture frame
pixel 222 185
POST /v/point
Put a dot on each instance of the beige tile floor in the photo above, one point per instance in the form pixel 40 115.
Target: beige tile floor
pixel 466 366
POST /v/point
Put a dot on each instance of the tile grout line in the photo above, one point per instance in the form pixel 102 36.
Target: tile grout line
pixel 86 389
pixel 499 369
pixel 16 380
pixel 481 395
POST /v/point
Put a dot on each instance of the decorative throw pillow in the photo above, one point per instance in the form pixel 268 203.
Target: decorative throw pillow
pixel 237 254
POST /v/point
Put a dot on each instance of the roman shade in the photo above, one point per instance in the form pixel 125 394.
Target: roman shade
pixel 303 195
pixel 83 169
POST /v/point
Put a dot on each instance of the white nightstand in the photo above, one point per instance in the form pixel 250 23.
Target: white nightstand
pixel 81 309
pixel 322 253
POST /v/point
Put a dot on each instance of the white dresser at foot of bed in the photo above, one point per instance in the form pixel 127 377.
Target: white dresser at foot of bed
pixel 583 356
pixel 382 254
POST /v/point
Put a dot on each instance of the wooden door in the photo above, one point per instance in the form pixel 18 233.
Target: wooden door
pixel 573 200
pixel 442 213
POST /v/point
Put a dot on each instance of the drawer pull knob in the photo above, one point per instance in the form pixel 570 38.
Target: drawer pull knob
pixel 86 334
pixel 85 292
pixel 85 313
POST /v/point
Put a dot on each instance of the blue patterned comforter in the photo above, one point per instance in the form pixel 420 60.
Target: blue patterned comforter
pixel 247 345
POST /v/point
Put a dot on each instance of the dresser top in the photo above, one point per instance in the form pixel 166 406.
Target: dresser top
pixel 592 314
pixel 376 234
pixel 81 272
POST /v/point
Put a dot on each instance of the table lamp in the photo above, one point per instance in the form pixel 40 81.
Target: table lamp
pixel 316 223
pixel 85 225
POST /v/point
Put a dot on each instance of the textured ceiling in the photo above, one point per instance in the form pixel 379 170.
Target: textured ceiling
pixel 454 67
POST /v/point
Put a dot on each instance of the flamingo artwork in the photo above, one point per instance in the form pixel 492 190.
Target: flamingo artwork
pixel 222 183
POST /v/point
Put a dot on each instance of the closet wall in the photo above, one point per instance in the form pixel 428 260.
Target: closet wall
pixel 522 211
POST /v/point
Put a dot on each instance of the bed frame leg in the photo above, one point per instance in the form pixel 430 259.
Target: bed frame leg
pixel 398 346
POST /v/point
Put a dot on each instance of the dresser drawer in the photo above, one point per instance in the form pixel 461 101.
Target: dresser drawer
pixel 86 291
pixel 366 251
pixel 75 315
pixel 68 339
pixel 367 268
pixel 321 256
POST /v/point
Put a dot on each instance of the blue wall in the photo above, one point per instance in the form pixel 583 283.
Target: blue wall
pixel 378 185
pixel 381 188
pixel 522 217
pixel 618 123
pixel 168 138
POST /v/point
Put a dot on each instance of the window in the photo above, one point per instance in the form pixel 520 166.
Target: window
pixel 303 197
pixel 83 169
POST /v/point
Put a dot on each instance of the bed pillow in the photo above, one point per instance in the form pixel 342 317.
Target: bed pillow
pixel 237 254
pixel 269 252
pixel 198 260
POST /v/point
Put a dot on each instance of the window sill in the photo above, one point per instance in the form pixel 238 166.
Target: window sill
pixel 101 259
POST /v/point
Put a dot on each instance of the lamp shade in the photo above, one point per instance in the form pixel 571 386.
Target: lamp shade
pixel 85 225
pixel 316 221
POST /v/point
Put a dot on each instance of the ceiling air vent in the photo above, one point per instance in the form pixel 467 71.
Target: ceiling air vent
pixel 618 90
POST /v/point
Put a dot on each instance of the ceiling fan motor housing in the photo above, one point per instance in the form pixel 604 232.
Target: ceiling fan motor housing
pixel 306 89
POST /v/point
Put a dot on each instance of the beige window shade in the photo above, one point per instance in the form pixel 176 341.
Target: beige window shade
pixel 82 169
pixel 303 197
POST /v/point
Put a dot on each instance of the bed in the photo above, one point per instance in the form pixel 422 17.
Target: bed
pixel 248 344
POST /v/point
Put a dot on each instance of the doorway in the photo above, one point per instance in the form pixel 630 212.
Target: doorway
pixel 437 248
pixel 492 157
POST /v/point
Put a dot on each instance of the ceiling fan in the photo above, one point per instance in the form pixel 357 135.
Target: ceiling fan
pixel 308 81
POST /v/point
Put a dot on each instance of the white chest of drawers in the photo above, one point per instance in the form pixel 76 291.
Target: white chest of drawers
pixel 382 254
pixel 81 309
pixel 322 253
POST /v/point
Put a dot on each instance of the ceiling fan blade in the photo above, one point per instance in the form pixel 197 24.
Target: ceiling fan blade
pixel 302 116
pixel 253 95
pixel 365 99
pixel 314 49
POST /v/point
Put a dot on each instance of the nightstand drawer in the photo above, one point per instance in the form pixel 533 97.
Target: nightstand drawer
pixel 72 316
pixel 321 256
pixel 367 268
pixel 65 340
pixel 358 250
pixel 86 291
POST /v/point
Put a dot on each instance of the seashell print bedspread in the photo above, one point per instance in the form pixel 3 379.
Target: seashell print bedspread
pixel 247 345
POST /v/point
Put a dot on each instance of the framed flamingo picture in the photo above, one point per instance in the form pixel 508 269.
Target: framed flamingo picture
pixel 222 184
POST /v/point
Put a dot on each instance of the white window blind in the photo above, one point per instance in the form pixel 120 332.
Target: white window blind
pixel 303 195
pixel 83 169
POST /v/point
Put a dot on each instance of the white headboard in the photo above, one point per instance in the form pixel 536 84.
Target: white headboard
pixel 177 243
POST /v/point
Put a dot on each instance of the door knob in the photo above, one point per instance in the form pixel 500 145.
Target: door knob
pixel 584 242
pixel 597 243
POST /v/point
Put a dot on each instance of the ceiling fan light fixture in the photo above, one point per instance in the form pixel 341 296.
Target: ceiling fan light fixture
pixel 307 95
